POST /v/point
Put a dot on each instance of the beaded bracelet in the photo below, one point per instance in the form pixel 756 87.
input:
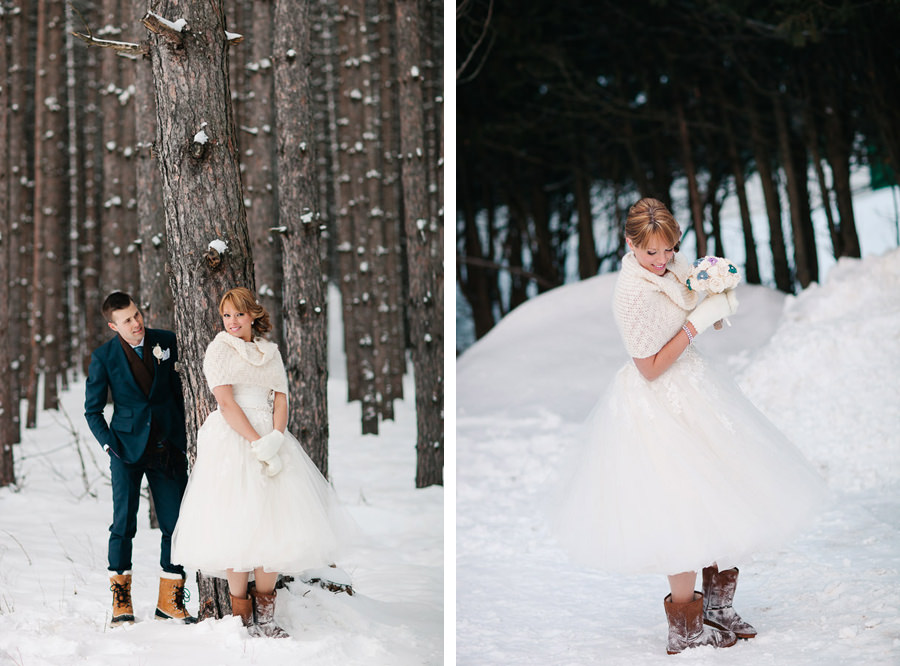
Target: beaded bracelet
pixel 688 331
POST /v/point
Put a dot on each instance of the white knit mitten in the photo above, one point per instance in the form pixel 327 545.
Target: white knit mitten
pixel 713 308
pixel 731 295
pixel 266 451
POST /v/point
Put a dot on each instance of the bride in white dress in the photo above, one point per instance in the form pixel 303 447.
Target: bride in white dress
pixel 255 501
pixel 679 470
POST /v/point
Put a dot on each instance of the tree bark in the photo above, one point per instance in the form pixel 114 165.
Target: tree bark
pixel 691 172
pixel 475 282
pixel 783 279
pixel 838 147
pixel 155 296
pixel 305 299
pixel 114 237
pixel 20 143
pixel 51 163
pixel 257 143
pixel 424 252
pixel 8 401
pixel 393 288
pixel 751 264
pixel 802 258
pixel 587 249
pixel 201 188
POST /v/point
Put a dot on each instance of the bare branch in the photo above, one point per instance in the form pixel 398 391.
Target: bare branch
pixel 127 48
pixel 513 270
pixel 487 23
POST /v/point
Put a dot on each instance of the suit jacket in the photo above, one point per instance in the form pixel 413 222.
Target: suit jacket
pixel 128 430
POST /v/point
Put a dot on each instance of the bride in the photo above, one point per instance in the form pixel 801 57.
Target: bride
pixel 679 471
pixel 255 502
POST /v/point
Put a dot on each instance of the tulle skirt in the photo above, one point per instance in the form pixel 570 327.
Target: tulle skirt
pixel 675 474
pixel 234 516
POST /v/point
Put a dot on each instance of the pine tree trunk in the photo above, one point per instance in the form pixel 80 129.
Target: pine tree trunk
pixel 305 298
pixel 838 147
pixel 475 282
pixel 424 253
pixel 587 249
pixel 155 297
pixel 51 158
pixel 783 279
pixel 542 245
pixel 353 226
pixel 691 172
pixel 112 217
pixel 89 237
pixel 8 400
pixel 202 197
pixel 20 143
pixel 751 265
pixel 801 255
pixel 258 164
pixel 393 286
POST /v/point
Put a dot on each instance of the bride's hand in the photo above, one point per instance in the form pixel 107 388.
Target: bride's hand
pixel 266 451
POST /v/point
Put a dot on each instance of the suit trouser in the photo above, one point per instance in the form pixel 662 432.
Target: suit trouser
pixel 167 486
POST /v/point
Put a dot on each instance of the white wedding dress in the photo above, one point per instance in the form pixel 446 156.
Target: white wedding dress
pixel 234 516
pixel 675 474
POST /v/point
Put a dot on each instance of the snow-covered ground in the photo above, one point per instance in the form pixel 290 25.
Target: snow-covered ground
pixel 824 366
pixel 54 590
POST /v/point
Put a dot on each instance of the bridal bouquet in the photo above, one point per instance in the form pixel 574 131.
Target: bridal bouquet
pixel 713 275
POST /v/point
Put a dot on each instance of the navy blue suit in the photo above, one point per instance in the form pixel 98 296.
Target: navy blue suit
pixel 128 435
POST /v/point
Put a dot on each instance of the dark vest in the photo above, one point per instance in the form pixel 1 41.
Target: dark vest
pixel 143 371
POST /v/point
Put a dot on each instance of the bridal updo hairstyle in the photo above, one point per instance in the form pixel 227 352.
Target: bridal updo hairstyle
pixel 649 217
pixel 242 300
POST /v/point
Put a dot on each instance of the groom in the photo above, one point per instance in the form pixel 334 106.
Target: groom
pixel 145 436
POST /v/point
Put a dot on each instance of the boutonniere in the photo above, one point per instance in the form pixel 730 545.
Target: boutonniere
pixel 160 354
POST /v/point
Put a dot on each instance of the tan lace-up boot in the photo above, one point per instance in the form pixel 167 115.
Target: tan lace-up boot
pixel 122 610
pixel 172 596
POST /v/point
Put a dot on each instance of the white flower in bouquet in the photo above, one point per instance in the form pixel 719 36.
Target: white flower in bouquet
pixel 713 275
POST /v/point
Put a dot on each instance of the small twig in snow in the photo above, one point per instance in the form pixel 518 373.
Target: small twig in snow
pixel 20 546
pixel 65 550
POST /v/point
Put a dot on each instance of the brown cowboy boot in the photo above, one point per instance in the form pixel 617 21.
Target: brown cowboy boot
pixel 242 608
pixel 718 593
pixel 264 611
pixel 172 596
pixel 686 628
pixel 122 610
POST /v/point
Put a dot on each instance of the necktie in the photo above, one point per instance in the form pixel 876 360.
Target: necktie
pixel 140 350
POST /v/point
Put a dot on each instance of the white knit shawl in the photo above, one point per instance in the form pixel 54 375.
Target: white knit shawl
pixel 650 309
pixel 230 360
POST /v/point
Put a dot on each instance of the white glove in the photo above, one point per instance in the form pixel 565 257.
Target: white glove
pixel 713 308
pixel 731 295
pixel 266 451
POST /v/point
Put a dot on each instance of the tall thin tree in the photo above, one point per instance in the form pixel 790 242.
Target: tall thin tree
pixel 424 251
pixel 305 315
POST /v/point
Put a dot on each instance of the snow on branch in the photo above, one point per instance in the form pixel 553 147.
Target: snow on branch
pixel 171 30
pixel 127 48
